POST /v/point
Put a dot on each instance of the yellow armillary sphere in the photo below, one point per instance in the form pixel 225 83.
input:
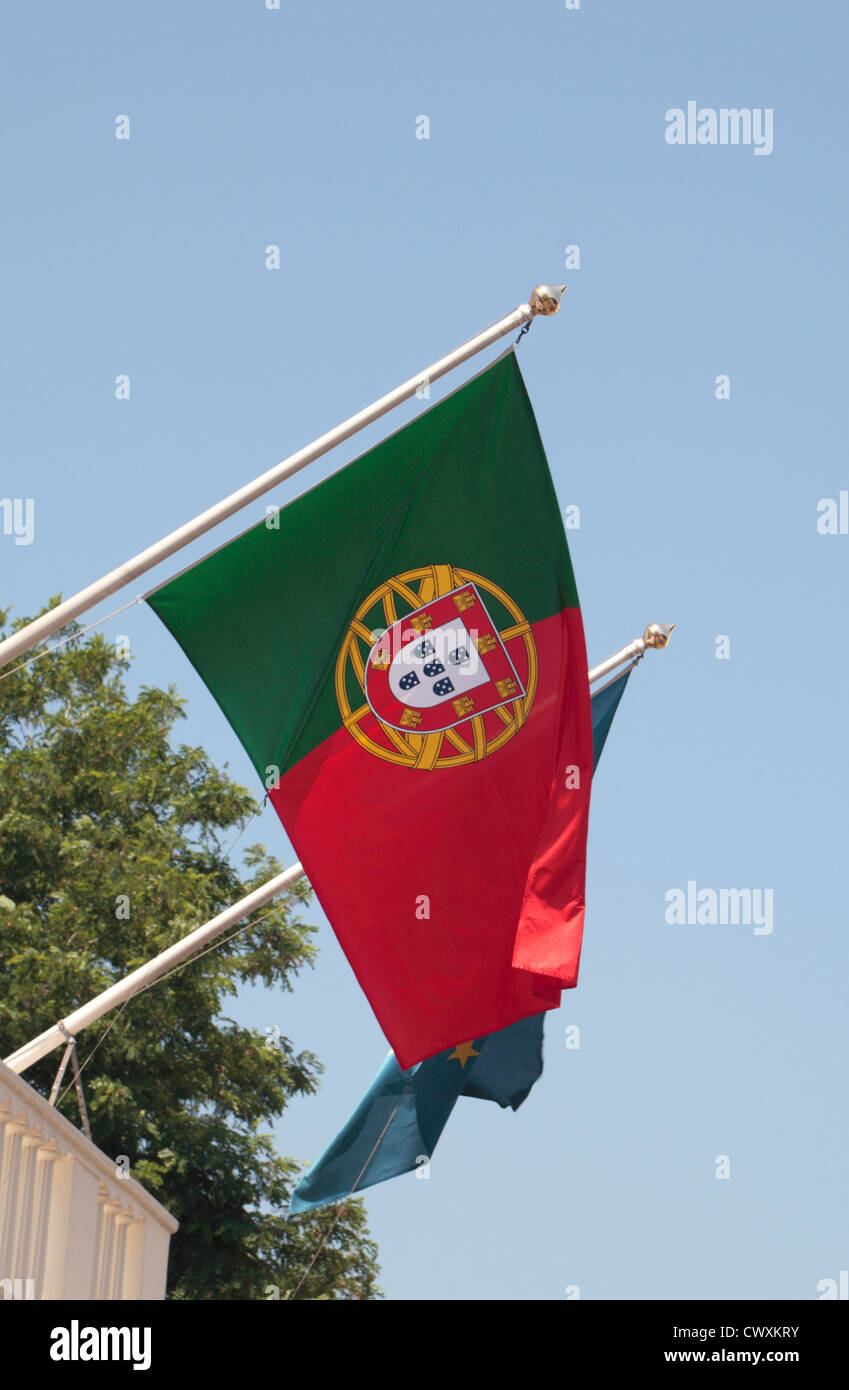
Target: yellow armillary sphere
pixel 438 669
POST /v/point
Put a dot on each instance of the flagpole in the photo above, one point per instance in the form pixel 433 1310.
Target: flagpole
pixel 656 635
pixel 544 300
pixel 152 970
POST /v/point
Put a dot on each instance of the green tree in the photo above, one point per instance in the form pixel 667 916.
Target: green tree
pixel 113 845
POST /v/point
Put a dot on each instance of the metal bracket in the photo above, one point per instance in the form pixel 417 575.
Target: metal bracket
pixel 70 1054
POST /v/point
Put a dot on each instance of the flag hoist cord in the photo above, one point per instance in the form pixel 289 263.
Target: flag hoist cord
pixel 656 635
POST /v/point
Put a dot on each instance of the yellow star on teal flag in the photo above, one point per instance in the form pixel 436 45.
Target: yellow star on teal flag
pixel 462 1052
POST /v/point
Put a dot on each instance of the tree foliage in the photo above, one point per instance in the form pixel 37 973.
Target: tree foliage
pixel 114 844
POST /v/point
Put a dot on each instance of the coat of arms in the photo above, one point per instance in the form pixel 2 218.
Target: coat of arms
pixel 448 680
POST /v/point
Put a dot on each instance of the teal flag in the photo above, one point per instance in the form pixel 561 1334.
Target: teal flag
pixel 605 703
pixel 397 1124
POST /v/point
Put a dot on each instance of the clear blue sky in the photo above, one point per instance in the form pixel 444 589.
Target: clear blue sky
pixel 547 128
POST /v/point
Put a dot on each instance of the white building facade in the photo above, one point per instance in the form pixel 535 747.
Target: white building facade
pixel 70 1227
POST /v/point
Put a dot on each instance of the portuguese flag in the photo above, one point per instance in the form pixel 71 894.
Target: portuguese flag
pixel 402 655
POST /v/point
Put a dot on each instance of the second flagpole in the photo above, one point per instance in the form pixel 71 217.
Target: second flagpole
pixel 656 635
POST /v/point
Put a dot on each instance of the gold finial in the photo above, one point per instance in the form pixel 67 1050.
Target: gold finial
pixel 658 634
pixel 545 299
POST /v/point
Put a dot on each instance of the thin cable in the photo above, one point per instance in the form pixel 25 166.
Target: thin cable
pixel 48 651
pixel 150 983
pixel 342 1208
pixel 252 817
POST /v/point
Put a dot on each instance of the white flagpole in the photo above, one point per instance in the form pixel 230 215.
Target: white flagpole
pixel 655 635
pixel 153 969
pixel 544 299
